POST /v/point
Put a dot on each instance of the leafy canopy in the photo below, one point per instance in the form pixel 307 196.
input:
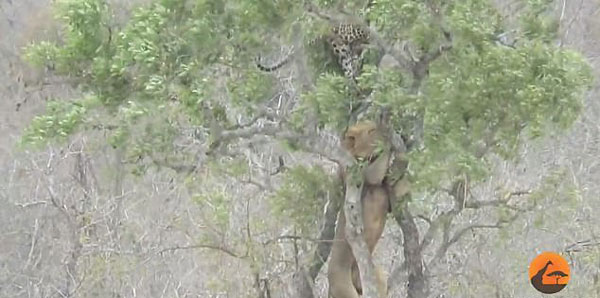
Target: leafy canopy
pixel 178 63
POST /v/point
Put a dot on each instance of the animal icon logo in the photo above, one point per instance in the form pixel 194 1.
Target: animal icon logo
pixel 549 273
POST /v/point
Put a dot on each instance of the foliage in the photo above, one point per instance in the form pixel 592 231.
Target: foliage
pixel 302 195
pixel 62 119
pixel 480 96
pixel 85 34
pixel 180 65
pixel 405 19
pixel 217 207
pixel 480 100
pixel 329 101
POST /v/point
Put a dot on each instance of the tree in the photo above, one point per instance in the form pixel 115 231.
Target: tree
pixel 176 87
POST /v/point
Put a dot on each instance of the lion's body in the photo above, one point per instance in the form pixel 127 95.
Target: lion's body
pixel 343 274
pixel 362 141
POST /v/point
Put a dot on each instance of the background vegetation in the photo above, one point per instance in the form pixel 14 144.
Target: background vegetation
pixel 148 156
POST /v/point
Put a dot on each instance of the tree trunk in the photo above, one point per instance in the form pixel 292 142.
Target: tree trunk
pixel 418 284
pixel 302 285
pixel 356 239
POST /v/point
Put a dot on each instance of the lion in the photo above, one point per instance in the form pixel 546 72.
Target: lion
pixel 364 141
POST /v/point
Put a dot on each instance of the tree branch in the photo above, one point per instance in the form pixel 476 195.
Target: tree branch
pixel 296 238
pixel 430 234
pixel 303 278
pixel 200 246
pixel 177 167
pixel 476 204
pixel 413 259
pixel 325 237
pixel 579 246
pixel 356 240
pixel 245 132
pixel 449 241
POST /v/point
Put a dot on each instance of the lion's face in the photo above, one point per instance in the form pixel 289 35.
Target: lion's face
pixel 362 139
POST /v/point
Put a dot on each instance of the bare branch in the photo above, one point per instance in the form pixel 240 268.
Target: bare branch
pixel 248 230
pixel 449 241
pixel 200 246
pixel 177 167
pixel 260 185
pixel 31 204
pixel 262 113
pixel 34 236
pixel 424 218
pixel 369 4
pixel 580 246
pixel 388 49
pixel 475 204
pixel 430 234
pixel 570 23
pixel 296 238
pixel 312 9
pixel 245 132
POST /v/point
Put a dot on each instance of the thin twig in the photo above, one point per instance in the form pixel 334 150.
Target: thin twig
pixel 200 246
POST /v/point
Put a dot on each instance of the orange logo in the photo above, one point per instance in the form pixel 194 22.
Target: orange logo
pixel 549 273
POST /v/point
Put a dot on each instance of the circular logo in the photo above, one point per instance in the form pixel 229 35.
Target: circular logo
pixel 549 273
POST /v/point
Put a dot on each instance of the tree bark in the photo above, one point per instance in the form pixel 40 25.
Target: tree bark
pixel 301 285
pixel 356 239
pixel 303 280
pixel 418 284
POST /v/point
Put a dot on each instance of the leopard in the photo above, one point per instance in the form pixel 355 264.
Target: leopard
pixel 347 41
